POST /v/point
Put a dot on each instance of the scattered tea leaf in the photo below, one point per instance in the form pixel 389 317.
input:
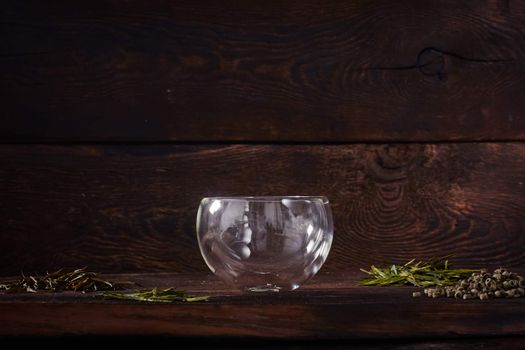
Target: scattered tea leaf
pixel 155 296
pixel 419 274
pixel 79 280
pixel 483 285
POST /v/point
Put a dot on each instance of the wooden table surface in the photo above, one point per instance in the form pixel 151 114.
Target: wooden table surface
pixel 331 306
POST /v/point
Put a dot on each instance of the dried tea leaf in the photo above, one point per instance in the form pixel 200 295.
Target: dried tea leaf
pixel 154 295
pixel 483 285
pixel 419 274
pixel 79 280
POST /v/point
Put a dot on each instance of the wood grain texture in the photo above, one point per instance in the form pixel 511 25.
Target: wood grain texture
pixel 329 307
pixel 262 71
pixel 130 208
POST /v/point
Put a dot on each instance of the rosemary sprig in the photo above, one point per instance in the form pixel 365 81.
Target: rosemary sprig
pixel 419 274
pixel 155 296
pixel 79 280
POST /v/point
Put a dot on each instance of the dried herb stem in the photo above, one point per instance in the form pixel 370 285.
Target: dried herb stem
pixel 78 280
pixel 419 274
pixel 155 296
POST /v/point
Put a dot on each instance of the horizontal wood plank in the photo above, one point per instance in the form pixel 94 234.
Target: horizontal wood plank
pixel 329 307
pixel 256 70
pixel 132 208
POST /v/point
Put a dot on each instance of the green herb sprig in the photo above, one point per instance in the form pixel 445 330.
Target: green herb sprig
pixel 79 280
pixel 419 274
pixel 155 296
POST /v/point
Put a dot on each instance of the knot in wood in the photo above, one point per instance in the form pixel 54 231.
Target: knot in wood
pixel 430 62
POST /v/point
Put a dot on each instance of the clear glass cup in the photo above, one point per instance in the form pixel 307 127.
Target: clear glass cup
pixel 262 244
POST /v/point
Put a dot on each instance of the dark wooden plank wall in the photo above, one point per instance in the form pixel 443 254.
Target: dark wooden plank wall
pixel 117 117
pixel 300 70
pixel 132 208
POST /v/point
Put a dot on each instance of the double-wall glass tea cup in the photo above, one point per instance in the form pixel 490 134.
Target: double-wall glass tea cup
pixel 262 244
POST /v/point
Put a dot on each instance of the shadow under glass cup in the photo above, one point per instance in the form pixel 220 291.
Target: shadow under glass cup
pixel 263 244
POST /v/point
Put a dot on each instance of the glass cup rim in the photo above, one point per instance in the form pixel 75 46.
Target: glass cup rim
pixel 270 199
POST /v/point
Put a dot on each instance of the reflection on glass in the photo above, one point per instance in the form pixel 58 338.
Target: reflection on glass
pixel 265 243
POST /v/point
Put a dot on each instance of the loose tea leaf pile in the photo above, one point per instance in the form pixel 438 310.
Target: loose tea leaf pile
pixel 419 274
pixel 483 285
pixel 79 280
pixel 156 296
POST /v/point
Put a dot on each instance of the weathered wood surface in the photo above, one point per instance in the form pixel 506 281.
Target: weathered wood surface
pixel 262 71
pixel 125 208
pixel 331 306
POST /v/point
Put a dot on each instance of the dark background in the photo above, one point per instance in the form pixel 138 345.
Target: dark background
pixel 119 116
